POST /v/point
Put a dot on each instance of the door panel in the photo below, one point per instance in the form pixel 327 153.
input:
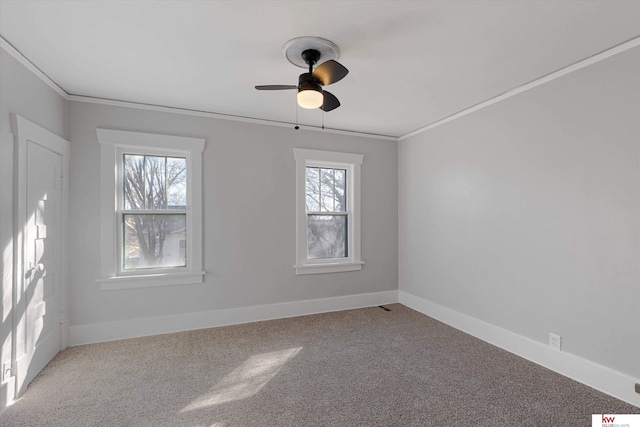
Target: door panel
pixel 41 282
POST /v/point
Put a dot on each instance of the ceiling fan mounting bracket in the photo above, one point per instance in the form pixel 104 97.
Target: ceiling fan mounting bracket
pixel 294 50
pixel 310 56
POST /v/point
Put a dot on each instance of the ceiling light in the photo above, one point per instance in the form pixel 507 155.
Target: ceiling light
pixel 310 97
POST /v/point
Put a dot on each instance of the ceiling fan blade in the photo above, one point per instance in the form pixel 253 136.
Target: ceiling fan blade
pixel 330 102
pixel 330 72
pixel 276 87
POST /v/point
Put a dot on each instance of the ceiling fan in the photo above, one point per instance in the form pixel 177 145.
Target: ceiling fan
pixel 306 52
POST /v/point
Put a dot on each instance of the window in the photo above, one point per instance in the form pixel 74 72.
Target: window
pixel 151 221
pixel 153 211
pixel 328 211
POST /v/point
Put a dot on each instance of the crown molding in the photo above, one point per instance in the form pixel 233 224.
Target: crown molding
pixel 15 53
pixel 199 113
pixel 622 47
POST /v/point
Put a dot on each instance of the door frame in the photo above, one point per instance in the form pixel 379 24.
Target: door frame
pixel 25 131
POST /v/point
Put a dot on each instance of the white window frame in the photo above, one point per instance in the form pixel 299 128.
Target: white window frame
pixel 352 163
pixel 115 143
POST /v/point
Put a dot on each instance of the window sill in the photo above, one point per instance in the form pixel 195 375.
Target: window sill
pixel 149 281
pixel 336 267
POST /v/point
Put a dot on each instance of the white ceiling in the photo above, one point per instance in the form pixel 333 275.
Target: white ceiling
pixel 411 63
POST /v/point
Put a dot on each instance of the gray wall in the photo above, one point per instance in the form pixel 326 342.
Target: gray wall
pixel 23 93
pixel 249 217
pixel 526 214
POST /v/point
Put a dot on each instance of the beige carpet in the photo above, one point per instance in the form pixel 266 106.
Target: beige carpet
pixel 357 367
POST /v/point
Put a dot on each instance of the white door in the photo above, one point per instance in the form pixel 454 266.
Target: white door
pixel 38 302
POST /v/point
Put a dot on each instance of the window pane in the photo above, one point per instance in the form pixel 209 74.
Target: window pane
pixel 326 190
pixel 152 241
pixel 313 189
pixel 340 190
pixel 326 236
pixel 155 184
pixel 133 181
pixel 176 183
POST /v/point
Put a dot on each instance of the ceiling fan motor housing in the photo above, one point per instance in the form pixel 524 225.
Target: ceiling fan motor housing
pixel 306 81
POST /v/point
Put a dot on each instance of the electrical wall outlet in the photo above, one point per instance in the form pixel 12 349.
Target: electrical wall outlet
pixel 555 341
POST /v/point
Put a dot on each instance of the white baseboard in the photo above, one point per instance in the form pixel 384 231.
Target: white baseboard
pixel 597 376
pixel 607 380
pixel 111 331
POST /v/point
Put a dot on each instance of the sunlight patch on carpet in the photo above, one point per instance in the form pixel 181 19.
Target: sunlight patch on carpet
pixel 246 380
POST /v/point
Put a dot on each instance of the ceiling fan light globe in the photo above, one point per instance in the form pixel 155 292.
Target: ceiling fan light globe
pixel 310 98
